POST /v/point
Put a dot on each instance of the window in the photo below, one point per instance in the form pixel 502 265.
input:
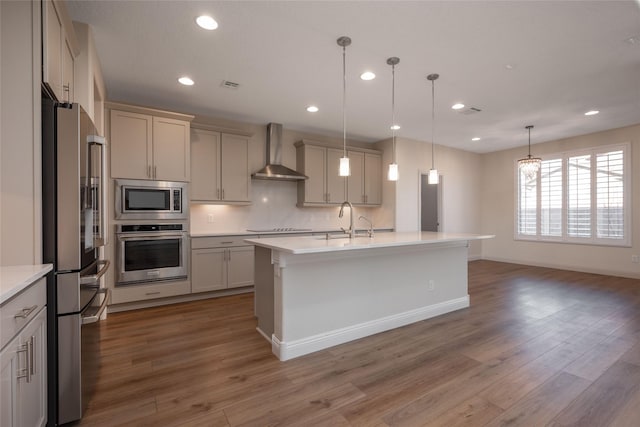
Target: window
pixel 580 197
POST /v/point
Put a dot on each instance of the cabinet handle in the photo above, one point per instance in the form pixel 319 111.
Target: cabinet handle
pixel 65 88
pixel 229 253
pixel 152 293
pixel 149 171
pixel 155 171
pixel 25 312
pixel 26 372
pixel 31 354
pixel 223 194
pixel 217 193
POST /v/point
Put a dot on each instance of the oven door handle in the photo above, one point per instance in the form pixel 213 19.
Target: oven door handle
pixel 95 317
pixel 87 280
pixel 152 237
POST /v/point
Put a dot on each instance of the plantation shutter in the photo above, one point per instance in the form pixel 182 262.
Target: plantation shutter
pixel 579 196
pixel 551 198
pixel 527 193
pixel 610 195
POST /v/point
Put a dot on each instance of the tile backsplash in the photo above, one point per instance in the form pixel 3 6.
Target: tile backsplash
pixel 274 205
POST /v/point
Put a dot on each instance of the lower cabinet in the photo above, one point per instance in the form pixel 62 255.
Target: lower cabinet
pixel 23 373
pixel 219 263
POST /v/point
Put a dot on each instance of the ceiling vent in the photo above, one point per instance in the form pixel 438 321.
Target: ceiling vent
pixel 230 85
pixel 469 111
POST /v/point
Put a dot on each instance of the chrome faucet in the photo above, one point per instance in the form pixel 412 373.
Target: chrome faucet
pixel 370 231
pixel 349 232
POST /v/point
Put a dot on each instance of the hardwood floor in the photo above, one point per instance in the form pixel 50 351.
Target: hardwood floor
pixel 537 347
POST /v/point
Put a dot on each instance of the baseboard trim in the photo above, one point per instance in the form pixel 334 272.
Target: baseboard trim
pixel 286 350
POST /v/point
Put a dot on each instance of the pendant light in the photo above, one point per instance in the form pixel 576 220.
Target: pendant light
pixel 345 170
pixel 433 172
pixel 392 175
pixel 529 165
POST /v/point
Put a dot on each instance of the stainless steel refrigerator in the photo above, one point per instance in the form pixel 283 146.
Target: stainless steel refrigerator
pixel 74 228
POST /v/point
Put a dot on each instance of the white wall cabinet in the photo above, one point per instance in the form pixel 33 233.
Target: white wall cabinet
pixel 145 146
pixel 219 167
pixel 23 360
pixel 364 185
pixel 324 185
pixel 59 49
pixel 221 263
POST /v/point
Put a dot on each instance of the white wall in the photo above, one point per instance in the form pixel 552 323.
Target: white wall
pixel 460 188
pixel 498 211
pixel 20 135
pixel 274 202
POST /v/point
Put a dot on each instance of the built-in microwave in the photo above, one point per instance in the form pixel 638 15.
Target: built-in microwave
pixel 139 199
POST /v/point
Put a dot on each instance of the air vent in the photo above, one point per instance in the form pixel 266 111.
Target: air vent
pixel 470 110
pixel 230 85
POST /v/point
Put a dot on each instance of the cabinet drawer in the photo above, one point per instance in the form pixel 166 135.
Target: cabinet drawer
pixel 19 310
pixel 132 293
pixel 220 242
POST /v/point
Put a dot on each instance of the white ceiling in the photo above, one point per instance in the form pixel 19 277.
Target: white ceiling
pixel 567 57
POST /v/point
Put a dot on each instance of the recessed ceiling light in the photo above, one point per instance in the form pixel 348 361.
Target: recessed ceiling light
pixel 591 113
pixel 509 66
pixel 312 109
pixel 367 75
pixel 186 81
pixel 206 22
pixel 395 127
pixel 476 138
pixel 457 106
pixel 633 40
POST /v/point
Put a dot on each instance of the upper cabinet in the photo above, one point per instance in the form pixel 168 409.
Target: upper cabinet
pixel 321 164
pixel 365 182
pixel 219 167
pixel 325 187
pixel 59 48
pixel 149 144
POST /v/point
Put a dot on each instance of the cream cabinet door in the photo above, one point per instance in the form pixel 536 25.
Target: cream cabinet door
pixel 355 181
pixel 205 165
pixel 315 168
pixel 171 158
pixel 52 50
pixel 240 267
pixel 9 367
pixel 336 184
pixel 373 179
pixel 234 168
pixel 131 145
pixel 68 76
pixel 33 394
pixel 208 269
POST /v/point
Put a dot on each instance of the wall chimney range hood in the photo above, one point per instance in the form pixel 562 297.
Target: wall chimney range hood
pixel 274 170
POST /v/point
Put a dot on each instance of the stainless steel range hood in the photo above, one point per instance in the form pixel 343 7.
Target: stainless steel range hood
pixel 274 170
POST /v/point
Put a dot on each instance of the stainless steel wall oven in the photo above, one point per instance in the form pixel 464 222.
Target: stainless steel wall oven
pixel 151 252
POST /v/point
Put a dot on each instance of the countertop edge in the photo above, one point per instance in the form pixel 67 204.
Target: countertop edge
pixel 16 278
pixel 328 247
pixel 271 233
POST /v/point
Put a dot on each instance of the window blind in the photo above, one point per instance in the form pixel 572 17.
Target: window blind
pixel 551 198
pixel 610 195
pixel 579 196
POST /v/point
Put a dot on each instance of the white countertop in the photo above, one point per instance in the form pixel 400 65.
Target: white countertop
pixel 318 244
pixel 14 279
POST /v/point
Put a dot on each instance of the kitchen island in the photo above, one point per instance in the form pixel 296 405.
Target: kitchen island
pixel 315 292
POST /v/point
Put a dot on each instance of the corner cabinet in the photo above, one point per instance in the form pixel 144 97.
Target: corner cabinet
pixel 150 146
pixel 326 188
pixel 321 164
pixel 23 359
pixel 221 263
pixel 219 167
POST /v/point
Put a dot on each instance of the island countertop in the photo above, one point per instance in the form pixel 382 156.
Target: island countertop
pixel 319 244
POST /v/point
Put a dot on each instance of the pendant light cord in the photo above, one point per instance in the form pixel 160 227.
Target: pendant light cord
pixel 393 110
pixel 344 101
pixel 433 120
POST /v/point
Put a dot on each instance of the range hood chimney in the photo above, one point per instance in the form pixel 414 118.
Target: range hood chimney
pixel 274 170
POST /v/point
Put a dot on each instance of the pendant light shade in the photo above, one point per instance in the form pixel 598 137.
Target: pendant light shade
pixel 529 165
pixel 392 175
pixel 433 173
pixel 345 170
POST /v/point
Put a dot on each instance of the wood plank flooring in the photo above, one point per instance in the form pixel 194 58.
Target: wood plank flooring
pixel 537 347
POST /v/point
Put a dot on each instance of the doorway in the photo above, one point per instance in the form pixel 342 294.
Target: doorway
pixel 429 204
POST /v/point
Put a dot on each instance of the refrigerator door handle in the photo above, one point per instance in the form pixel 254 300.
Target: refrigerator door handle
pixel 95 317
pixel 87 280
